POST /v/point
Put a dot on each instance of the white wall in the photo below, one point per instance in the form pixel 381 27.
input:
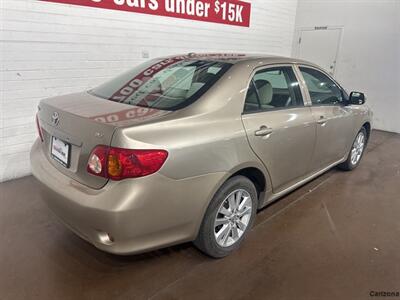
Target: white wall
pixel 369 57
pixel 50 49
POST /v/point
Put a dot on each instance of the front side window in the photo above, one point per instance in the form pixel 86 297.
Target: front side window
pixel 273 88
pixel 323 91
pixel 170 84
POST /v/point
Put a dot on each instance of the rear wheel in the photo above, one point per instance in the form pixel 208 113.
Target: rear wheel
pixel 229 217
pixel 356 152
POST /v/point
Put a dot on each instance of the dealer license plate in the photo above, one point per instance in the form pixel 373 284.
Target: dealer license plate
pixel 60 151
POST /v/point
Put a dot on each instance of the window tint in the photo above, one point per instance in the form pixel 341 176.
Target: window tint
pixel 273 88
pixel 323 91
pixel 170 84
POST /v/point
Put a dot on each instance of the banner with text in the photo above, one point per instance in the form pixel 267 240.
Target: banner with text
pixel 231 12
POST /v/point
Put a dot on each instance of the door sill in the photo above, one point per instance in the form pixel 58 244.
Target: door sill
pixel 282 193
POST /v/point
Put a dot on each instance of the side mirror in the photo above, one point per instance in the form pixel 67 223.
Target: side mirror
pixel 356 98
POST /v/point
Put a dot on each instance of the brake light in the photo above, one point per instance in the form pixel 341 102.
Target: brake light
pixel 118 163
pixel 39 128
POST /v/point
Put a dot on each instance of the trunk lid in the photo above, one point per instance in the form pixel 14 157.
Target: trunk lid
pixel 84 121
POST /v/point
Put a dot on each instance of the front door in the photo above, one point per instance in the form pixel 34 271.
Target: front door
pixel 333 118
pixel 280 129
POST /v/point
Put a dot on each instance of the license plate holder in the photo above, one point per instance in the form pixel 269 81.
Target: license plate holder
pixel 61 151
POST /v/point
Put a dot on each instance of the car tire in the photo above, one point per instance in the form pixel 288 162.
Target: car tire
pixel 356 152
pixel 222 230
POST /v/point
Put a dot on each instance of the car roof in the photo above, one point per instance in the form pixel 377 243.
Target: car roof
pixel 249 58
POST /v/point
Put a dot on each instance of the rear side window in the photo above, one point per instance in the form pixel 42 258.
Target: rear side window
pixel 170 84
pixel 273 88
pixel 323 91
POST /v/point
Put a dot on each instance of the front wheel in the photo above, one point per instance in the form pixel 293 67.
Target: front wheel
pixel 357 151
pixel 229 218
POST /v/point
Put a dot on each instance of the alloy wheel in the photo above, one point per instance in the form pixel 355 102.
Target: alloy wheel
pixel 233 218
pixel 358 148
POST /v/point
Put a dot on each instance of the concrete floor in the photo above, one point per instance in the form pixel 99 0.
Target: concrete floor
pixel 338 237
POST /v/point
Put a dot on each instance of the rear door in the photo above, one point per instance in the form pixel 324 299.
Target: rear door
pixel 333 117
pixel 280 128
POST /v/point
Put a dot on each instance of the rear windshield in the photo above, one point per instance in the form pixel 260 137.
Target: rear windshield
pixel 170 84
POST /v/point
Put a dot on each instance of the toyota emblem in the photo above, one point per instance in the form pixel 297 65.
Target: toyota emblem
pixel 55 118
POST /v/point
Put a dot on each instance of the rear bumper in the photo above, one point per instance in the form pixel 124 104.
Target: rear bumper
pixel 140 214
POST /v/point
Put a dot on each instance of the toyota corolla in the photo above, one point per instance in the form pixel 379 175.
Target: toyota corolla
pixel 189 148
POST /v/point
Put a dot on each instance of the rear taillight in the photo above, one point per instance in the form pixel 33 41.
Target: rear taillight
pixel 118 164
pixel 39 128
pixel 98 161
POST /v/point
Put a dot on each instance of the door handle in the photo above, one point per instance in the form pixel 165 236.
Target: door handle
pixel 263 131
pixel 322 120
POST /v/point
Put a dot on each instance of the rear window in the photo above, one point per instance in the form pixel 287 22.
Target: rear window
pixel 170 84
